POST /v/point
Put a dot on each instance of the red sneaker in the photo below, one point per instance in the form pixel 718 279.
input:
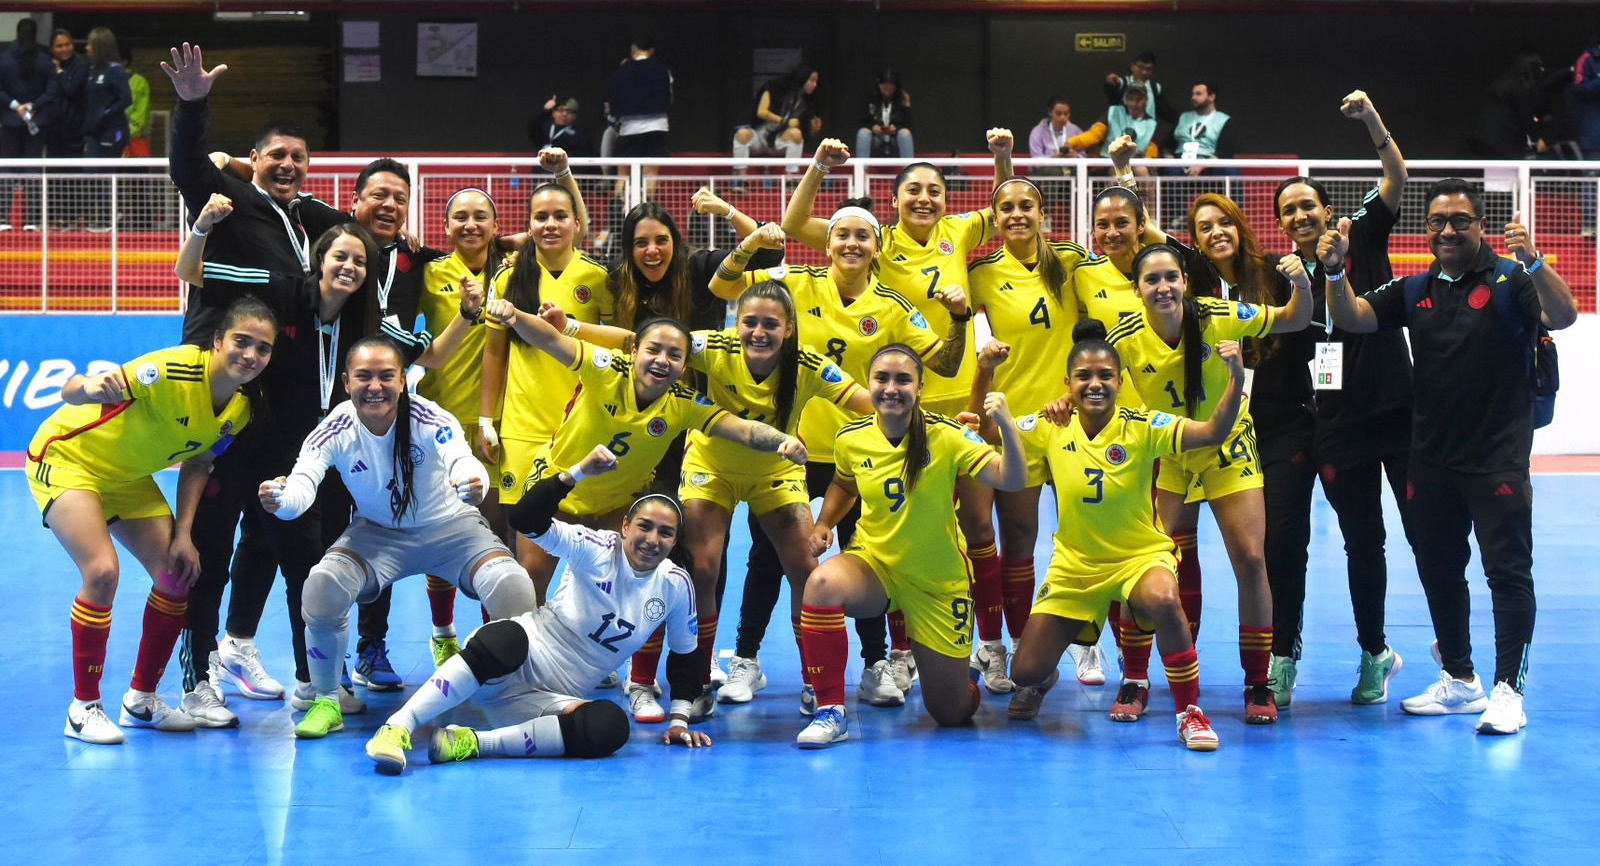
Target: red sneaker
pixel 1194 730
pixel 1131 700
pixel 1259 707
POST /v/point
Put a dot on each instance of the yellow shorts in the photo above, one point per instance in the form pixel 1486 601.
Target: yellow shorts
pixel 1213 473
pixel 516 461
pixel 1084 597
pixel 576 503
pixel 121 500
pixel 938 611
pixel 765 493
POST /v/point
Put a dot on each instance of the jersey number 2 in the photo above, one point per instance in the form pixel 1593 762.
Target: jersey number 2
pixel 625 630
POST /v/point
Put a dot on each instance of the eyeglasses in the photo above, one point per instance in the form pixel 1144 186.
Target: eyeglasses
pixel 1460 222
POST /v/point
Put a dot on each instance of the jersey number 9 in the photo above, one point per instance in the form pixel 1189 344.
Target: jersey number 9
pixel 895 491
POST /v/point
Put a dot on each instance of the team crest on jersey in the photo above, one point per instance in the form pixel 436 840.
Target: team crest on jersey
pixel 697 343
pixel 582 294
pixel 699 479
pixel 1044 590
pixel 1027 422
pixel 657 426
pixel 1117 455
pixel 148 374
pixel 602 358
pixel 416 454
pixel 1205 352
pixel 402 262
pixel 919 320
pixel 507 481
pixel 1245 312
pixel 947 248
pixel 778 273
pixel 832 374
pixel 868 326
pixel 444 435
pixel 1161 419
pixel 654 610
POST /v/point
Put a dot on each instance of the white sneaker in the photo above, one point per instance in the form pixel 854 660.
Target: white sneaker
pixel 808 701
pixel 241 665
pixel 91 725
pixel 827 727
pixel 305 695
pixel 148 710
pixel 744 680
pixel 877 686
pixel 718 675
pixel 990 662
pixel 206 708
pixel 703 707
pixel 1087 661
pixel 1195 732
pixel 903 666
pixel 214 675
pixel 1448 695
pixel 1504 715
pixel 643 704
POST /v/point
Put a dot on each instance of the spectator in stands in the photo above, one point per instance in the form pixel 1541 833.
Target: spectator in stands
pixel 1141 72
pixel 556 125
pixel 1131 118
pixel 138 110
pixel 639 95
pixel 886 125
pixel 1586 97
pixel 786 112
pixel 61 109
pixel 1506 124
pixel 1200 133
pixel 25 74
pixel 1049 138
pixel 106 98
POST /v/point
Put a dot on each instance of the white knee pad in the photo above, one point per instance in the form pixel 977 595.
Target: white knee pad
pixel 331 588
pixel 504 587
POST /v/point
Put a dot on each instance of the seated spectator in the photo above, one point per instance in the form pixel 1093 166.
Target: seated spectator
pixel 786 112
pixel 1049 138
pixel 1130 118
pixel 1200 131
pixel 556 125
pixel 886 125
pixel 1142 71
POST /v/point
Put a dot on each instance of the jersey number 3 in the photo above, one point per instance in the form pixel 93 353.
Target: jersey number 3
pixel 624 631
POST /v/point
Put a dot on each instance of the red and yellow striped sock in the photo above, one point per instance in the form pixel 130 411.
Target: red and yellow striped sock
pixel 1114 616
pixel 1183 677
pixel 441 601
pixel 1135 650
pixel 827 648
pixel 708 645
pixel 800 646
pixel 987 595
pixel 1016 593
pixel 1189 581
pixel 1255 653
pixel 164 615
pixel 897 631
pixel 643 669
pixel 91 625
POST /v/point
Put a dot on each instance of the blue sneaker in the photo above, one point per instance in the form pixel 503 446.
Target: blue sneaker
pixel 374 671
pixel 827 727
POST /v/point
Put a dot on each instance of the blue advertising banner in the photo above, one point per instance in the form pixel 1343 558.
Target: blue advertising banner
pixel 38 354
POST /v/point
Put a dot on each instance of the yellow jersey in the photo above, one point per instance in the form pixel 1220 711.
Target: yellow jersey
pixel 1156 369
pixel 454 385
pixel 720 356
pixel 848 335
pixel 1105 513
pixel 538 388
pixel 606 412
pixel 1024 314
pixel 1105 293
pixel 918 270
pixel 167 418
pixel 912 532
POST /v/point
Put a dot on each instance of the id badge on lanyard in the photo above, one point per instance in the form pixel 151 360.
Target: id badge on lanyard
pixel 1327 368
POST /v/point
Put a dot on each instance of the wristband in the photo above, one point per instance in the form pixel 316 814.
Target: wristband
pixel 471 319
pixel 571 329
pixel 197 233
pixel 731 211
pixel 565 173
pixel 966 318
pixel 485 422
pixel 1387 137
pixel 1125 179
pixel 1538 262
pixel 819 167
pixel 1335 276
pixel 14 104
pixel 577 475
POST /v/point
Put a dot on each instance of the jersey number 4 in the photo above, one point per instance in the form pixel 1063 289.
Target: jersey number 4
pixel 624 631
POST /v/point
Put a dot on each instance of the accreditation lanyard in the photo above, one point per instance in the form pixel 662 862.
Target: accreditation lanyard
pixel 295 230
pixel 327 360
pixel 388 281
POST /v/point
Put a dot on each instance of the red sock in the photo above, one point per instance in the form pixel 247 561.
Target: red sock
pixel 163 619
pixel 708 645
pixel 1114 616
pixel 442 601
pixel 1189 581
pixel 1135 651
pixel 643 670
pixel 827 648
pixel 91 625
pixel 1183 677
pixel 986 592
pixel 897 631
pixel 1016 593
pixel 1255 653
pixel 800 645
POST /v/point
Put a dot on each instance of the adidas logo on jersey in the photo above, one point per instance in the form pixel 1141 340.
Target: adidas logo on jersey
pixel 1149 368
pixel 184 420
pixel 1504 490
pixel 900 257
pixel 867 463
pixel 361 466
pixel 1071 446
pixel 815 311
pixel 1006 287
pixel 611 409
pixel 1425 304
pixel 1101 294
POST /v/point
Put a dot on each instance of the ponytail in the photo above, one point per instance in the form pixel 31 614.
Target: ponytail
pixel 1050 267
pixel 1193 384
pixel 400 500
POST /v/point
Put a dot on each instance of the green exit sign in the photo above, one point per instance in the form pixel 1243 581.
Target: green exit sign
pixel 1102 42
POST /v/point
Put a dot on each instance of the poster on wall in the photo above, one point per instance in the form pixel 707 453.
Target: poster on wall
pixel 447 49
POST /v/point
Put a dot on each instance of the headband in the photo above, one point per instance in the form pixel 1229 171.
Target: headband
pixel 854 211
pixel 483 192
pixel 1035 187
pixel 664 498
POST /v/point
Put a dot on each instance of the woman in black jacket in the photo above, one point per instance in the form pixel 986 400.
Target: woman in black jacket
pixel 25 75
pixel 887 119
pixel 106 98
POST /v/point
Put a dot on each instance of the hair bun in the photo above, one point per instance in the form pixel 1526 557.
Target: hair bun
pixel 1088 329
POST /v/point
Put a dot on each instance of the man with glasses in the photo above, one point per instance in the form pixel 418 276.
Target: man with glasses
pixel 1474 321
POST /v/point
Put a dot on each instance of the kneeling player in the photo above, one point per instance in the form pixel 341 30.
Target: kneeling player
pixel 1101 464
pixel 526 671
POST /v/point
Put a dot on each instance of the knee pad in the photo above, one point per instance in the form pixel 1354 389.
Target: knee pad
pixel 332 586
pixel 496 650
pixel 594 730
pixel 504 588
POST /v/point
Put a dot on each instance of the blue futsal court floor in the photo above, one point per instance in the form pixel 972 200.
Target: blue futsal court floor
pixel 1331 782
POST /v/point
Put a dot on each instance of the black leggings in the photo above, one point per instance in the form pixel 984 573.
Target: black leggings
pixel 1353 467
pixel 764 580
pixel 1289 475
